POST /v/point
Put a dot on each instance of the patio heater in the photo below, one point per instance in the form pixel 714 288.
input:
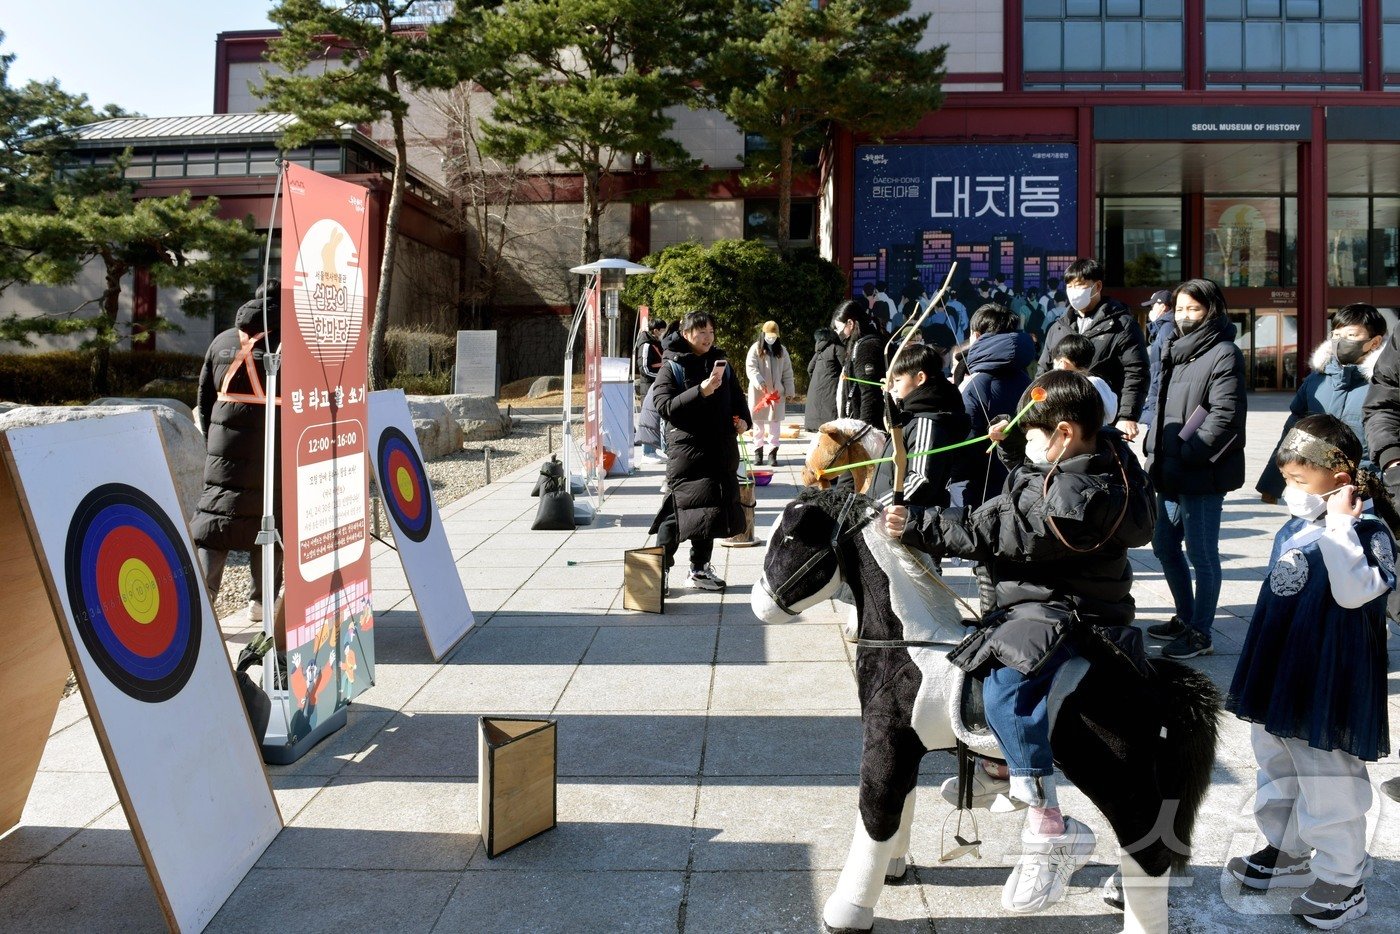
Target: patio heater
pixel 611 276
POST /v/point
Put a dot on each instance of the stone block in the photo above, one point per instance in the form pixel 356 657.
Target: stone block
pixel 438 432
pixel 184 445
pixel 545 385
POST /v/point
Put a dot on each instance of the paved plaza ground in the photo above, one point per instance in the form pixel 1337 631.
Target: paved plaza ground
pixel 707 763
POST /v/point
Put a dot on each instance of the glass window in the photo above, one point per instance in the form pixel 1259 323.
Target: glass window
pixel 1161 46
pixel 1086 41
pixel 1042 47
pixel 1141 239
pixel 1248 241
pixel 1276 36
pixel 1342 46
pixel 1263 46
pixel 1225 46
pixel 1390 47
pixel 1302 46
pixel 1122 46
pixel 1117 36
pixel 761 219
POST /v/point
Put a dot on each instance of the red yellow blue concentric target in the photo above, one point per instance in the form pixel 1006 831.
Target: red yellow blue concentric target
pixel 404 485
pixel 133 592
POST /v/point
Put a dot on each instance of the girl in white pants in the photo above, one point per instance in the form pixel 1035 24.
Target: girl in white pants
pixel 769 369
pixel 1312 675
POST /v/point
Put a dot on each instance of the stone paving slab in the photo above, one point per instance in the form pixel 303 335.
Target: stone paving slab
pixel 708 763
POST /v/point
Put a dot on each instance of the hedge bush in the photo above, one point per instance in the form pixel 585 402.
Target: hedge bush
pixel 743 283
pixel 405 345
pixel 428 384
pixel 60 377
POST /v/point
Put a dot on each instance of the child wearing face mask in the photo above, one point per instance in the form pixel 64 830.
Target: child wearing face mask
pixel 769 369
pixel 1341 378
pixel 1312 675
pixel 1056 542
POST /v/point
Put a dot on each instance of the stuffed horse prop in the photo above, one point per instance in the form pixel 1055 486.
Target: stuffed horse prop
pixel 839 443
pixel 1140 747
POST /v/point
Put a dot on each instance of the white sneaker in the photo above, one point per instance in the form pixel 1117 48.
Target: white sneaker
pixel 1044 869
pixel 706 579
pixel 987 792
pixel 255 611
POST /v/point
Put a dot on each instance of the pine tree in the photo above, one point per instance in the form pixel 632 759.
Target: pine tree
pixel 586 83
pixel 791 69
pixel 383 53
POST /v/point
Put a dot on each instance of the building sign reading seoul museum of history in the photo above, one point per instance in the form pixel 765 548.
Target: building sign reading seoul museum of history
pixel 1004 209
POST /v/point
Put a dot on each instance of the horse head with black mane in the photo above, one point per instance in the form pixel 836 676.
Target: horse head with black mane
pixel 1140 747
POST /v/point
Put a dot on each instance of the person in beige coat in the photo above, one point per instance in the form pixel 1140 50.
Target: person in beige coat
pixel 769 368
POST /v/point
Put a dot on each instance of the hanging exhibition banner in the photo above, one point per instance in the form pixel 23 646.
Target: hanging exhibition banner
pixel 997 209
pixel 324 436
pixel 417 526
pixel 99 545
pixel 1243 238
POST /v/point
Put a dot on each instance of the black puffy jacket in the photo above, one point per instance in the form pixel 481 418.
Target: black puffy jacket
pixel 702 450
pixel 865 360
pixel 230 508
pixel 823 373
pixel 1200 370
pixel 1382 408
pixel 1053 548
pixel 1120 356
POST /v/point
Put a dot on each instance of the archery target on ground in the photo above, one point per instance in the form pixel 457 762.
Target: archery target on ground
pixel 404 484
pixel 133 592
pixel 413 517
pixel 113 553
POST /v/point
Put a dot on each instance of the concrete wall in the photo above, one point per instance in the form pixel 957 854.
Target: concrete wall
pixel 972 30
pixel 701 221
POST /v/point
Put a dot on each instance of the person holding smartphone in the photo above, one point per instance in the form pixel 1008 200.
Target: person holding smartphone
pixel 705 411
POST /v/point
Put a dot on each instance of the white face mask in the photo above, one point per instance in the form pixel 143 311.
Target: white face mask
pixel 770 340
pixel 1079 296
pixel 1303 505
pixel 1038 451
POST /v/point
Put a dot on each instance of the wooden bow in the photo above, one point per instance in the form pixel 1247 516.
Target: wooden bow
pixel 900 465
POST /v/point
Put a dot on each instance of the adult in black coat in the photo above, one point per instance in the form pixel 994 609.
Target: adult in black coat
pixel 823 374
pixel 232 414
pixel 705 410
pixel 1120 355
pixel 865 361
pixel 1382 421
pixel 1195 455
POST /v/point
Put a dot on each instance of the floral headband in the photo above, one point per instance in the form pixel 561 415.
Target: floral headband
pixel 1314 450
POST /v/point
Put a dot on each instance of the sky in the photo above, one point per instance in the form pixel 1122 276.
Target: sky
pixel 154 57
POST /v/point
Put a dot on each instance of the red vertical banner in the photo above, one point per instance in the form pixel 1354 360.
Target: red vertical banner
pixel 593 385
pixel 325 478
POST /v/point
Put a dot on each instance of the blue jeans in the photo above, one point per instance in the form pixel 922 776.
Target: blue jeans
pixel 1018 712
pixel 1192 520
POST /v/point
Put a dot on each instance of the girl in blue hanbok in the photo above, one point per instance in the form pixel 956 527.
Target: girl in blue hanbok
pixel 1312 675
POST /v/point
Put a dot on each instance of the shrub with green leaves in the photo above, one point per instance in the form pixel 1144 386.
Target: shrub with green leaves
pixel 743 283
pixel 59 377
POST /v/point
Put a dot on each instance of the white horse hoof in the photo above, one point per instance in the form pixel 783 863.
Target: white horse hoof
pixel 841 917
pixel 897 868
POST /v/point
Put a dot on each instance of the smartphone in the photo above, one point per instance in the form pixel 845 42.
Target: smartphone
pixel 719 365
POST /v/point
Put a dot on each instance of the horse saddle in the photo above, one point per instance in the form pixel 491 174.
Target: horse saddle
pixel 971 706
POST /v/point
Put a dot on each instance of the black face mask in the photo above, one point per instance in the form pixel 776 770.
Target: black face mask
pixel 1187 325
pixel 1348 351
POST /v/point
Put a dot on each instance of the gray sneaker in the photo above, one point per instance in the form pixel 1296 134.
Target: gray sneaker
pixel 1191 643
pixel 706 579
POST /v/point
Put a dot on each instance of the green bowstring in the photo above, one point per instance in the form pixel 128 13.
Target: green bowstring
pixel 865 382
pixel 931 451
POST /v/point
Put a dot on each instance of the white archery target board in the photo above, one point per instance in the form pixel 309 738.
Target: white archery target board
pixel 114 553
pixel 413 516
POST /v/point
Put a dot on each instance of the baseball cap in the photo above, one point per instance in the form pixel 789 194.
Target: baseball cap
pixel 1161 295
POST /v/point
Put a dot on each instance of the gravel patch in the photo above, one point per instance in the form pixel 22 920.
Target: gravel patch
pixel 451 478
